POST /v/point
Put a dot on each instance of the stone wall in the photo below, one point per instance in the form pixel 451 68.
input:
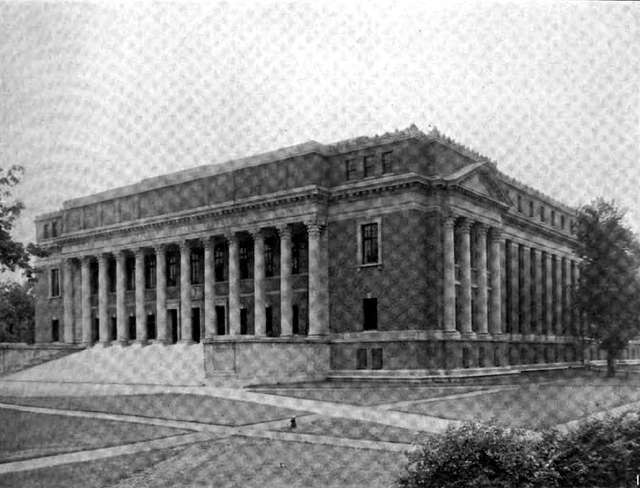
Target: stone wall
pixel 14 357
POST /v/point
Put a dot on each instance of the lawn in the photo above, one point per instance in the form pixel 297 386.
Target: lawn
pixel 26 435
pixel 355 429
pixel 531 406
pixel 260 463
pixel 167 406
pixel 371 394
pixel 104 472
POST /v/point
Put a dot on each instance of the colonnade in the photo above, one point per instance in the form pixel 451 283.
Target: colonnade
pixel 495 285
pixel 317 287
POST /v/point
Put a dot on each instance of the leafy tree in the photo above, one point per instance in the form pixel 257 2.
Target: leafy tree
pixel 13 255
pixel 608 292
pixel 17 312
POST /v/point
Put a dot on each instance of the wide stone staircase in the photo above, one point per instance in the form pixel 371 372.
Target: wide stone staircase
pixel 154 364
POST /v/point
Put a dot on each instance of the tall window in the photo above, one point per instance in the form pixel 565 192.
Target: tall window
pixel 387 162
pixel 111 274
pixel 172 268
pixel 543 292
pixel 269 262
pixel 350 168
pixel 369 165
pixel 130 272
pixel 197 271
pixel 150 271
pixel 542 215
pixel 54 229
pixel 369 236
pixel 533 273
pixel 370 313
pixel 298 256
pixel 245 261
pixel 562 222
pixel 55 282
pixel 93 278
pixel 553 217
pixel 244 322
pixel 219 259
pixel 519 203
pixel 46 231
pixel 531 211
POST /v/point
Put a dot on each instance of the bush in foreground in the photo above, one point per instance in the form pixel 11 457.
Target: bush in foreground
pixel 599 453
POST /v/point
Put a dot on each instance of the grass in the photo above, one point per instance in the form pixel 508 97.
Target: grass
pixel 26 435
pixel 167 406
pixel 368 395
pixel 356 429
pixel 531 406
pixel 104 472
pixel 259 463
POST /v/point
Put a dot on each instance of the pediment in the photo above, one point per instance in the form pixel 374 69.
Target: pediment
pixel 486 184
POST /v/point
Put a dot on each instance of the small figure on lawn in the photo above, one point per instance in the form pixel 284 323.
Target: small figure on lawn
pixel 292 424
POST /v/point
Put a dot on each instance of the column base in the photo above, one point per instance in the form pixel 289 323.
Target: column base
pixel 483 335
pixel 141 342
pixel 186 341
pixel 123 342
pixel 451 334
pixel 468 335
pixel 105 343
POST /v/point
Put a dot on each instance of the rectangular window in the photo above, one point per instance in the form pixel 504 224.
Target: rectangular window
pixel 152 332
pixel 269 264
pixel 361 358
pixel 130 273
pixel 55 330
pixel 531 211
pixel 376 358
pixel 369 165
pixel 369 237
pixel 245 261
pixel 54 229
pixel 350 169
pixel 219 260
pixel 150 271
pixel 269 326
pixel 562 222
pixel 542 216
pixel 370 313
pixel 298 256
pixel 295 320
pixel 543 292
pixel 553 217
pixel 111 275
pixel 387 162
pixel 197 270
pixel 55 282
pixel 93 278
pixel 243 321
pixel 173 269
pixel 519 203
pixel 46 231
pixel 220 320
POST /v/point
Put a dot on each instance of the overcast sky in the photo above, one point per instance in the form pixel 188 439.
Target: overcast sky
pixel 94 96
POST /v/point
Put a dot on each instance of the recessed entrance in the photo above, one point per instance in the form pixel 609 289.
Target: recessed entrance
pixel 220 320
pixel 132 327
pixel 195 324
pixel 95 332
pixel 151 327
pixel 172 315
pixel 114 329
pixel 55 330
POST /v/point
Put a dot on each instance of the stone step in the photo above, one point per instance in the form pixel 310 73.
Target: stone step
pixel 154 364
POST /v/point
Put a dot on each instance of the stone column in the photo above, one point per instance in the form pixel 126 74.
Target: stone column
pixel 449 282
pixel 525 313
pixel 185 293
pixel 483 326
pixel 465 278
pixel 67 290
pixel 102 299
pixel 549 294
pixel 286 294
pixel 559 307
pixel 514 295
pixel 496 282
pixel 141 326
pixel 121 312
pixel 317 315
pixel 85 275
pixel 209 290
pixel 234 284
pixel 161 293
pixel 537 266
pixel 259 314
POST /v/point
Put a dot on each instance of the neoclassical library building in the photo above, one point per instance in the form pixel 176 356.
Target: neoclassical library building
pixel 404 253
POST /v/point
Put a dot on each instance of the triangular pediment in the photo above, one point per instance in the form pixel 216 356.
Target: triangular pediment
pixel 481 181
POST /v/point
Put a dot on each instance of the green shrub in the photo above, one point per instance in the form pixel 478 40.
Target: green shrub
pixel 480 456
pixel 599 453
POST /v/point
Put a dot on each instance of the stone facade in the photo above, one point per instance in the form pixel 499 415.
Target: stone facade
pixel 405 251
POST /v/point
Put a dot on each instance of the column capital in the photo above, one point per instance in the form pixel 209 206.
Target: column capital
pixel 160 248
pixel 102 257
pixel 495 234
pixel 256 233
pixel 231 235
pixel 184 245
pixel 449 222
pixel 139 251
pixel 482 229
pixel 464 225
pixel 284 230
pixel 314 228
pixel 208 242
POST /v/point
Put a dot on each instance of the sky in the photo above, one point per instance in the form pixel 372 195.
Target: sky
pixel 98 95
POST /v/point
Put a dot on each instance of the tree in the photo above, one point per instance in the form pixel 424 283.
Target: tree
pixel 608 292
pixel 13 254
pixel 17 312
